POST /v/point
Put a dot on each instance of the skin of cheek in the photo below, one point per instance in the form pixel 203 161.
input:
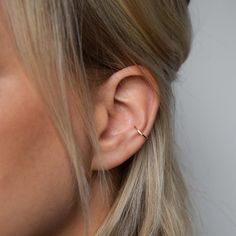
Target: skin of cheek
pixel 35 177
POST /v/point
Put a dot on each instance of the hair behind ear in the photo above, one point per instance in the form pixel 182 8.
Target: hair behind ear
pixel 152 189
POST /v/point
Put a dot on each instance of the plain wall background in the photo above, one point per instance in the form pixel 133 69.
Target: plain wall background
pixel 206 116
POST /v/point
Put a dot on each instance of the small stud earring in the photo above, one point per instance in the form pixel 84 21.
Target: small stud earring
pixel 141 133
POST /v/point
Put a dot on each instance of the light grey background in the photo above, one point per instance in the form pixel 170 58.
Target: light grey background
pixel 206 116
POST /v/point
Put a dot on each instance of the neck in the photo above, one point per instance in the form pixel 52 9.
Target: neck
pixel 99 206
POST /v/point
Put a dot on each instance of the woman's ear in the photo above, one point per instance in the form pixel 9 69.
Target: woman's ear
pixel 130 97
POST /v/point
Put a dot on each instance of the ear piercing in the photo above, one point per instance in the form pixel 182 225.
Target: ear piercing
pixel 140 132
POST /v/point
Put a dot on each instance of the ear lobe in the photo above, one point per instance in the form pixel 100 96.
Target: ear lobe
pixel 125 100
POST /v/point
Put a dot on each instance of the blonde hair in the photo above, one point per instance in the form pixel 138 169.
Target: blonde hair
pixel 75 45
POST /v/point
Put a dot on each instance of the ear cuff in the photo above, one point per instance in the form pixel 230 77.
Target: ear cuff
pixel 140 132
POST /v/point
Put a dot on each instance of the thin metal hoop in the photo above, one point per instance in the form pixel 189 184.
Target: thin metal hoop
pixel 140 132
